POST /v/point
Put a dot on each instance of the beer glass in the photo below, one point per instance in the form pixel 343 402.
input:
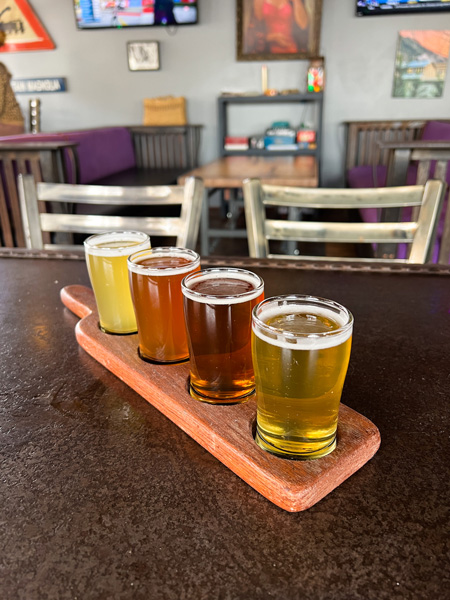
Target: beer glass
pixel 106 259
pixel 301 350
pixel 218 306
pixel 155 281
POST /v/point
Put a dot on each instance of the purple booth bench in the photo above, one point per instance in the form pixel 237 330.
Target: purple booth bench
pixel 126 155
pixel 369 148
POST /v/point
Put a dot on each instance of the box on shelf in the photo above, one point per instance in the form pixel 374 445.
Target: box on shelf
pixel 306 138
pixel 280 134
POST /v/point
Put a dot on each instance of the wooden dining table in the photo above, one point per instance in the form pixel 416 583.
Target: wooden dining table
pixel 104 497
pixel 229 172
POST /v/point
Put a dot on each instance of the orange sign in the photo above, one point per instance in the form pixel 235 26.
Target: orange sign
pixel 23 29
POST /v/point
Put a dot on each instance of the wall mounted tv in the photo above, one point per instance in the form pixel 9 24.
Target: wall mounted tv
pixel 94 14
pixel 389 7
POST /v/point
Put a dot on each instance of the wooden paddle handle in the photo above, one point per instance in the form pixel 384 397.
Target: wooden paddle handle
pixel 79 299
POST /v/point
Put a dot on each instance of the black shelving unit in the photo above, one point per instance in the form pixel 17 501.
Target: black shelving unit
pixel 225 101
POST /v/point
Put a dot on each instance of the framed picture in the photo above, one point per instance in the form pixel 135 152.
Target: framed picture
pixel 143 56
pixel 421 64
pixel 278 29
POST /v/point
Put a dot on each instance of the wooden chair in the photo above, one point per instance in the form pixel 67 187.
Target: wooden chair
pixel 420 234
pixel 424 154
pixel 185 227
pixel 45 161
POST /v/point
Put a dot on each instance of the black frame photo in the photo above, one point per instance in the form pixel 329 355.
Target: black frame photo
pixel 143 56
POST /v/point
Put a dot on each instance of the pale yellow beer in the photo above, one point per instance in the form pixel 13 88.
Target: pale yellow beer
pixel 301 350
pixel 106 259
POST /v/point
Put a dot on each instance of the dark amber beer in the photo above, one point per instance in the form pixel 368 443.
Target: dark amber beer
pixel 301 350
pixel 218 306
pixel 155 281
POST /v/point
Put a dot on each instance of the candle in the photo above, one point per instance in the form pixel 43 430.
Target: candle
pixel 264 78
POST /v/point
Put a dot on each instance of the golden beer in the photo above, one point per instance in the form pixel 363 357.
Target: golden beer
pixel 218 306
pixel 106 259
pixel 155 280
pixel 301 350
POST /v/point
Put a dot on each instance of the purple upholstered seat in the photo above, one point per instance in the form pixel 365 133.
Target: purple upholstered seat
pixel 368 176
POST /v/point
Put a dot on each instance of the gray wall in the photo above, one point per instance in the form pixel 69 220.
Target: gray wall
pixel 198 62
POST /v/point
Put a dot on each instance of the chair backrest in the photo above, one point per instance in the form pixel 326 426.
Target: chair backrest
pixel 419 234
pixel 45 161
pixel 61 196
pixel 168 147
pixel 364 137
pixel 432 159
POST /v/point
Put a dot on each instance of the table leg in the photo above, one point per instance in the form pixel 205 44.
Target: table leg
pixel 204 225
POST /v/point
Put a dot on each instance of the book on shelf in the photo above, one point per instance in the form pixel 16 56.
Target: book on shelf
pixel 234 139
pixel 236 146
pixel 236 143
pixel 281 131
pixel 279 140
pixel 277 147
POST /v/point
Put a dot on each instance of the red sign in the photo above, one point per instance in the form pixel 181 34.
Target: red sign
pixel 23 29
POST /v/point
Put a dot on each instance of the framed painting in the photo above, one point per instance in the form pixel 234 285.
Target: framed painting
pixel 278 29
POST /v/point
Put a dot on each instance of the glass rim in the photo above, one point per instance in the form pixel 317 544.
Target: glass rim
pixel 304 298
pixel 163 251
pixel 91 248
pixel 224 299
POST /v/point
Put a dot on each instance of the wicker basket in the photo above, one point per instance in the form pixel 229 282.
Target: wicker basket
pixel 165 110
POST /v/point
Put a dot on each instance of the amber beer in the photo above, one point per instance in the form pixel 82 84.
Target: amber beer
pixel 301 350
pixel 155 280
pixel 106 259
pixel 218 305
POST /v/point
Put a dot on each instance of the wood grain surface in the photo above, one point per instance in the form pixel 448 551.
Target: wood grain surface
pixel 230 171
pixel 225 431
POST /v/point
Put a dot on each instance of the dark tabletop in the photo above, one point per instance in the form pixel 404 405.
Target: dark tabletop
pixel 102 497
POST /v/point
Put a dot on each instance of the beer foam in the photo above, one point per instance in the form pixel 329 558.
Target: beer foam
pixel 97 245
pixel 224 274
pixel 136 267
pixel 298 341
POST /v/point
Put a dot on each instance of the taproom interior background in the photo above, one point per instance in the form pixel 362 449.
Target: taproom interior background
pixel 199 62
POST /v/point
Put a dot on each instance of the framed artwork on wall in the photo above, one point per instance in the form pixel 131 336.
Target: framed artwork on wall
pixel 421 64
pixel 278 29
pixel 143 56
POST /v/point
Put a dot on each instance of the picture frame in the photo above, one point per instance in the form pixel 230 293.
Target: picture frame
pixel 143 56
pixel 257 38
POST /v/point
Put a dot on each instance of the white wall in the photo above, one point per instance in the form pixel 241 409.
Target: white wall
pixel 199 62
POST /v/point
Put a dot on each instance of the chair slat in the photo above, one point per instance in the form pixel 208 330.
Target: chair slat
pixel 342 198
pixel 99 223
pixel 115 195
pixel 310 231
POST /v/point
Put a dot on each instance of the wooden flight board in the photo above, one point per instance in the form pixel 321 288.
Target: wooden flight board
pixel 225 431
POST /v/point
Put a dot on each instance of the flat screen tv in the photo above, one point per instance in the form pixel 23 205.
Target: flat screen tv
pixel 94 14
pixel 389 7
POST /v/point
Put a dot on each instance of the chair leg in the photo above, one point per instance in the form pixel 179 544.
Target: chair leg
pixel 444 248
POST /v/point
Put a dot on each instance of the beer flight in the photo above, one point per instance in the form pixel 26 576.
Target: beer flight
pixel 292 350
